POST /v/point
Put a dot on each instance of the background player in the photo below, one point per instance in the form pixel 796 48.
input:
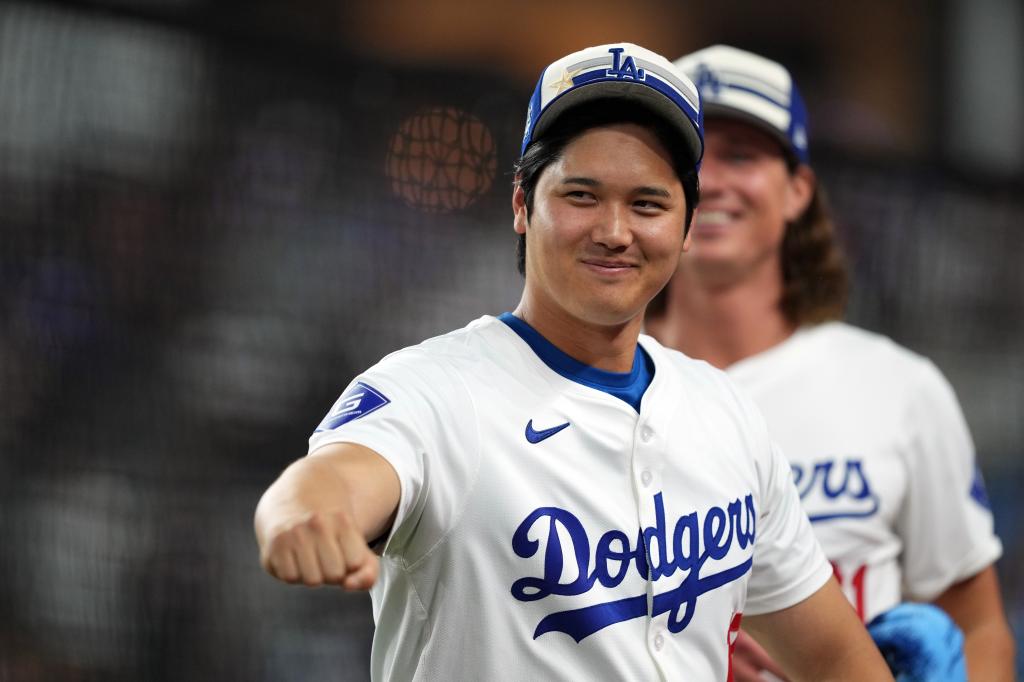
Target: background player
pixel 501 470
pixel 880 450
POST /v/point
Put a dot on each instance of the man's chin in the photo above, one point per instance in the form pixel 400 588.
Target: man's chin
pixel 712 257
pixel 610 313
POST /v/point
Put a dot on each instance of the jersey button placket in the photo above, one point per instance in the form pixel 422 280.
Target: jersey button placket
pixel 646 462
pixel 646 433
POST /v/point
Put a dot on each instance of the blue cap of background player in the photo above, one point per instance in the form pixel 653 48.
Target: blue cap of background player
pixel 748 87
pixel 624 72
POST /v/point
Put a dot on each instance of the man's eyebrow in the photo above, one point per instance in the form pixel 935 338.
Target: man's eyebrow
pixel 589 182
pixel 654 191
pixel 643 190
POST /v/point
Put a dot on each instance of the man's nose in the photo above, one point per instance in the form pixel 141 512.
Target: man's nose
pixel 614 229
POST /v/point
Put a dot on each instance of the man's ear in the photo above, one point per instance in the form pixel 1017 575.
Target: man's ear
pixel 520 220
pixel 799 192
pixel 689 230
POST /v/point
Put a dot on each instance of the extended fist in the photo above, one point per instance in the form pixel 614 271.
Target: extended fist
pixel 317 548
pixel 306 522
pixel 920 643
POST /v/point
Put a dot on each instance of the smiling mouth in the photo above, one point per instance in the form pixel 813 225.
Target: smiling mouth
pixel 608 266
pixel 713 218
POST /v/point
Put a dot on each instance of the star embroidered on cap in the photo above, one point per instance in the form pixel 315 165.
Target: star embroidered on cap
pixel 565 83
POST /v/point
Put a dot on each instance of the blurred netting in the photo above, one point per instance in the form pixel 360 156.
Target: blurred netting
pixel 202 242
pixel 441 159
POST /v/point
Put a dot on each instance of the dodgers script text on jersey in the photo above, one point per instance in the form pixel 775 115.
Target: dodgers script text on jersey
pixel 545 526
pixel 653 555
pixel 888 477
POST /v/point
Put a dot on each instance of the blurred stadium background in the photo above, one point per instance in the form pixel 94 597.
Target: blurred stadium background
pixel 212 214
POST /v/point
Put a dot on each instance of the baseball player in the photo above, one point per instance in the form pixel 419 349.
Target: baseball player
pixel 880 451
pixel 548 494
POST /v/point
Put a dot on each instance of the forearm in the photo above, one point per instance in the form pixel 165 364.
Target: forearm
pixel 989 649
pixel 308 486
pixel 854 663
pixel 313 521
pixel 976 604
pixel 849 662
pixel 341 478
pixel 820 638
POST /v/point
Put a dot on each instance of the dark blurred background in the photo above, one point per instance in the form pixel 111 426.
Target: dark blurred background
pixel 213 214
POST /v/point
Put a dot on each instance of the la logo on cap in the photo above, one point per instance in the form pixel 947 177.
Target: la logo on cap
pixel 624 69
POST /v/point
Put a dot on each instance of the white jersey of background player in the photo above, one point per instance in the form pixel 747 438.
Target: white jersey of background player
pixel 553 496
pixel 880 451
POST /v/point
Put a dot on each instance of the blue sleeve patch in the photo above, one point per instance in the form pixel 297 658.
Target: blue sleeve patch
pixel 358 401
pixel 978 491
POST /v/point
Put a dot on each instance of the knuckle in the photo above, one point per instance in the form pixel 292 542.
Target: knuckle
pixel 354 561
pixel 343 522
pixel 281 537
pixel 286 574
pixel 373 568
pixel 271 569
pixel 275 542
pixel 279 551
pixel 334 576
pixel 316 522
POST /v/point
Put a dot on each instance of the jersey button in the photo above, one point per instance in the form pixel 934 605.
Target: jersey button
pixel 646 434
pixel 645 477
pixel 659 641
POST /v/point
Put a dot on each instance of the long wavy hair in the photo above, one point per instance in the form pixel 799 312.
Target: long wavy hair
pixel 815 277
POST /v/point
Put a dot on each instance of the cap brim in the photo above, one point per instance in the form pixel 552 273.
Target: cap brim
pixel 635 92
pixel 714 110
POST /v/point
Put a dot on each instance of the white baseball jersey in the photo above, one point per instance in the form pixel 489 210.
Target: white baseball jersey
pixel 546 530
pixel 882 459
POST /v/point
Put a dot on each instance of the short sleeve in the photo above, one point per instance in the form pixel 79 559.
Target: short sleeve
pixel 405 410
pixel 945 522
pixel 789 564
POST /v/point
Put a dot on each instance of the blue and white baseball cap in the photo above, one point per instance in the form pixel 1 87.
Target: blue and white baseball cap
pixel 746 86
pixel 619 71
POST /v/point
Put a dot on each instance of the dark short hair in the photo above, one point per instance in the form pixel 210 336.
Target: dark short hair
pixel 574 122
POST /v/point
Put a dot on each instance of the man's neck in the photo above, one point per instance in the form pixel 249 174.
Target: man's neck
pixel 724 323
pixel 610 348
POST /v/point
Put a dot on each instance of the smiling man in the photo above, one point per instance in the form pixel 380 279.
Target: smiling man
pixel 548 494
pixel 881 455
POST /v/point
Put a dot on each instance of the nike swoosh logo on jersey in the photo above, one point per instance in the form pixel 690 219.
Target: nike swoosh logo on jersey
pixel 537 436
